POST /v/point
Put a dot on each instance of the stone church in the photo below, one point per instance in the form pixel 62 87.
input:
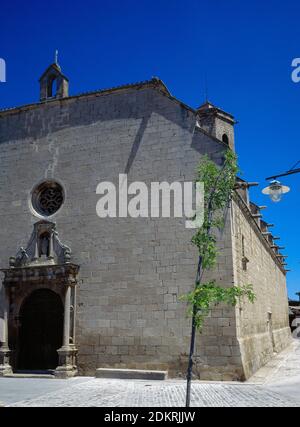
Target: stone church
pixel 79 292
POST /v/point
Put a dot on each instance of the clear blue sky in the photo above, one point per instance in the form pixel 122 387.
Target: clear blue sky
pixel 244 47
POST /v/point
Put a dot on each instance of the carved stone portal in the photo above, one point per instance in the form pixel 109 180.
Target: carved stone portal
pixel 44 264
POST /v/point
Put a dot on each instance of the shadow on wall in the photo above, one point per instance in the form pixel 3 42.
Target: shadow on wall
pixel 137 142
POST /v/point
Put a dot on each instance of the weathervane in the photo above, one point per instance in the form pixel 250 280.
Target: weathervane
pixel 56 57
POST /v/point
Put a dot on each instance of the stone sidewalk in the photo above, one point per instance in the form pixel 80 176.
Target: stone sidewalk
pixel 281 367
pixel 275 385
pixel 282 373
pixel 128 393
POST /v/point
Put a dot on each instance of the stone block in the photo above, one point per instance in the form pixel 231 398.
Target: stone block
pixel 133 374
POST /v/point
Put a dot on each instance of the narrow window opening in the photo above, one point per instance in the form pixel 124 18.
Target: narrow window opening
pixel 225 139
pixel 244 258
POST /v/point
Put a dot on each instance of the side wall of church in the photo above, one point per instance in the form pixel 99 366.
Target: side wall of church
pixel 262 327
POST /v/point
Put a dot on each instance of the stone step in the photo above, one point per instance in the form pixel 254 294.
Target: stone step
pixel 131 374
pixel 49 376
pixel 29 376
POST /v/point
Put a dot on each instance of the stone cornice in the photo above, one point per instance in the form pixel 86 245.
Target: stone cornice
pixel 244 207
pixel 64 274
pixel 154 83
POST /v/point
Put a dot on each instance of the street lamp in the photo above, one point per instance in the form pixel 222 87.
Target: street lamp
pixel 275 190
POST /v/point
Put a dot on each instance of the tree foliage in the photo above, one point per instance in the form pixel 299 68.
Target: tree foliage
pixel 218 189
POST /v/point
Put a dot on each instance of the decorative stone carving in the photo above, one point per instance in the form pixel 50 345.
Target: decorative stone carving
pixel 44 247
pixel 67 362
pixel 45 263
pixel 5 368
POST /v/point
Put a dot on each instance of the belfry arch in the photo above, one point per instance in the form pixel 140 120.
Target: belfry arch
pixel 53 83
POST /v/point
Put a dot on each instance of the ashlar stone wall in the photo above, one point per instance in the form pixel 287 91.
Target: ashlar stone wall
pixel 133 271
pixel 263 327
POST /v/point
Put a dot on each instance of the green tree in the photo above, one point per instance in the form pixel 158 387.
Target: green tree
pixel 218 190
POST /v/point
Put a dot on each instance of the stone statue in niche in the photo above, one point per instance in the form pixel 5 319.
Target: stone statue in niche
pixel 44 245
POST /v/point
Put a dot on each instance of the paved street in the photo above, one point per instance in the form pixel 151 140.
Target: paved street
pixel 276 384
pixel 282 374
pixel 100 392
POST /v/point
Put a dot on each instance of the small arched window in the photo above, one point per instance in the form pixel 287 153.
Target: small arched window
pixel 51 87
pixel 225 139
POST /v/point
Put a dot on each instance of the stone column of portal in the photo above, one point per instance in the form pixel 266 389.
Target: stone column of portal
pixel 66 338
pixel 5 368
pixel 67 353
pixel 51 246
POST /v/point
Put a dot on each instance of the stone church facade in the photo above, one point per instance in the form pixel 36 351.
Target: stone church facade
pixel 81 292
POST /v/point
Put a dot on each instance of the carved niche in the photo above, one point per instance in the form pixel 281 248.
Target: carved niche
pixel 44 248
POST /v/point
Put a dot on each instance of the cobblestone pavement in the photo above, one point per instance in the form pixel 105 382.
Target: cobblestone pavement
pixel 115 393
pixel 276 384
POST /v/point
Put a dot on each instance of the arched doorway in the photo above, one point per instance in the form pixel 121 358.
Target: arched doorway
pixel 41 331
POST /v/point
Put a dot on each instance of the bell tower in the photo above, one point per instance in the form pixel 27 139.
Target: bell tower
pixel 217 123
pixel 53 83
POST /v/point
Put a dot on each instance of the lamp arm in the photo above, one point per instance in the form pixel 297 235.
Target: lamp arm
pixel 290 172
